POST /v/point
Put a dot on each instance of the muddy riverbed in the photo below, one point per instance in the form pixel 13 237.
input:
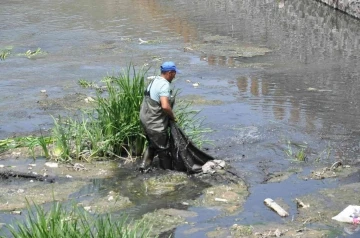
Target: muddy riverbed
pixel 276 81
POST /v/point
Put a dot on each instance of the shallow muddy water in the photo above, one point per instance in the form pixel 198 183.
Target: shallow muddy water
pixel 274 77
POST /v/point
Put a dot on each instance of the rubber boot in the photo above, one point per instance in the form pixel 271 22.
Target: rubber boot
pixel 147 160
pixel 165 160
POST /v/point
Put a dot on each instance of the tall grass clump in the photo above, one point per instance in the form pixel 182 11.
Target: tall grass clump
pixel 118 113
pixel 112 128
pixel 61 222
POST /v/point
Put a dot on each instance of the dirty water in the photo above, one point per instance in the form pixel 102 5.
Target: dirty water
pixel 273 77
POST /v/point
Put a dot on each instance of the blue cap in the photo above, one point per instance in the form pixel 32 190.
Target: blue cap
pixel 169 66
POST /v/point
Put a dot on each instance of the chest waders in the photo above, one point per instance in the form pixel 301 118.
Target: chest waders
pixel 155 123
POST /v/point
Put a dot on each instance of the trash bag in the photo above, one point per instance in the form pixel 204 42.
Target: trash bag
pixel 186 156
pixel 351 214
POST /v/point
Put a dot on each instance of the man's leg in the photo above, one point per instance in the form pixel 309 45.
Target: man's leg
pixel 160 141
pixel 147 159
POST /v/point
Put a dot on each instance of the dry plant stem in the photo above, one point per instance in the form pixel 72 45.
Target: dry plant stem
pixel 126 159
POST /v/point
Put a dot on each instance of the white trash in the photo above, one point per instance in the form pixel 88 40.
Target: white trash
pixel 351 214
pixel 211 166
pixel 51 164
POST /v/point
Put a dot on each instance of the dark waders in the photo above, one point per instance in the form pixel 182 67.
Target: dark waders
pixel 155 123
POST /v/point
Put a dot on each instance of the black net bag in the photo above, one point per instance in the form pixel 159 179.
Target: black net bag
pixel 186 156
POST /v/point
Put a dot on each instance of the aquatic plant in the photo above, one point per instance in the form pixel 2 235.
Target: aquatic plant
pixel 4 54
pixel 33 53
pixel 297 155
pixel 61 222
pixel 30 142
pixel 85 84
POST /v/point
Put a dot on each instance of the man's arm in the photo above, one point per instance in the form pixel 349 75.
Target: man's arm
pixel 165 105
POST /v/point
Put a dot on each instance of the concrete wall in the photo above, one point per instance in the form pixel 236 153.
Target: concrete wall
pixel 351 7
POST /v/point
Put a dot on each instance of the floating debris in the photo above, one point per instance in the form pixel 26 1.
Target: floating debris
pixel 89 100
pixel 186 49
pixel 143 41
pixel 276 207
pixel 212 166
pixel 51 164
pixel 220 200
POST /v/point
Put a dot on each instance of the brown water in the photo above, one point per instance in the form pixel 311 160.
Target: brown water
pixel 304 90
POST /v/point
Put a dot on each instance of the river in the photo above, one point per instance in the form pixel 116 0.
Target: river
pixel 272 75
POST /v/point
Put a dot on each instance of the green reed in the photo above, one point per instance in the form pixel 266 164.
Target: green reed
pixel 75 222
pixel 118 112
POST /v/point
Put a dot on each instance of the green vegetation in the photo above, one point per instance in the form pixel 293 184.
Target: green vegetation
pixel 118 113
pixel 75 222
pixel 85 84
pixel 33 53
pixel 4 53
pixel 297 154
pixel 30 142
pixel 112 129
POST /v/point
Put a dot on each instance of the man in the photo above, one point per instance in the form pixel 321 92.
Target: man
pixel 155 113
